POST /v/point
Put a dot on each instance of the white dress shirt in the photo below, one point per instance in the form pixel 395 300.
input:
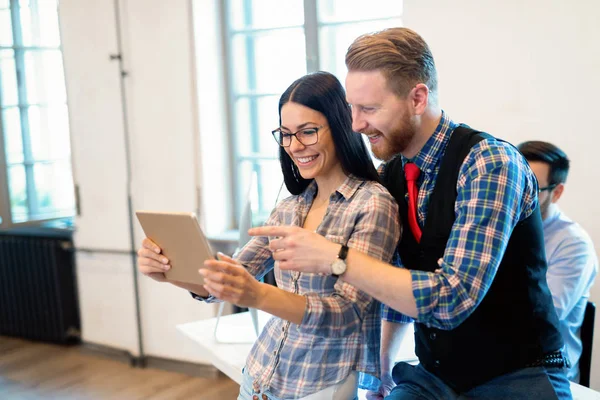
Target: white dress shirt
pixel 572 267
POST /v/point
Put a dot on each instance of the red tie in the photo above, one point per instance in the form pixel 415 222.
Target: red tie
pixel 412 173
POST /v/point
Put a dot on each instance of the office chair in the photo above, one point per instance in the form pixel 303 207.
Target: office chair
pixel 587 340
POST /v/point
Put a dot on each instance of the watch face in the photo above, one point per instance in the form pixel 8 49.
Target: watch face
pixel 338 267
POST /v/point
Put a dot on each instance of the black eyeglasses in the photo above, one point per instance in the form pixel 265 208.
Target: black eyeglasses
pixel 306 136
pixel 549 187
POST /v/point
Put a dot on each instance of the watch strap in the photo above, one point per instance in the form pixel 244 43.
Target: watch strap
pixel 343 252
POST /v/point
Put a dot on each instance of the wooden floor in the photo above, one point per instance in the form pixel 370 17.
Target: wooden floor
pixel 31 370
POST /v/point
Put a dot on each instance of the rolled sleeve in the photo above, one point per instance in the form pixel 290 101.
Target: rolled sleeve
pixel 495 191
pixel 209 299
pixel 338 315
pixel 391 315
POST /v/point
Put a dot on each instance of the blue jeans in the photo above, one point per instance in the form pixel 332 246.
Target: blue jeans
pixel 416 383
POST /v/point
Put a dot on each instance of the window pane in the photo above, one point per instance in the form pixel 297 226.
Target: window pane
pixel 44 76
pixel 18 194
pixel 6 37
pixel 269 179
pixel 9 94
pixel 49 132
pixel 260 14
pixel 334 42
pixel 278 58
pixel 242 126
pixel 240 63
pixel 354 10
pixel 13 139
pixel 54 188
pixel 39 23
pixel 268 119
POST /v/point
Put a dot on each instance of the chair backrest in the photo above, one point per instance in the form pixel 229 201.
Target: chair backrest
pixel 587 340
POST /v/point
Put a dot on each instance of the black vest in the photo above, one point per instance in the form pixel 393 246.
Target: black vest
pixel 515 323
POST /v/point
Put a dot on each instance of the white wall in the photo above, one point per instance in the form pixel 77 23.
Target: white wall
pixel 525 70
pixel 161 106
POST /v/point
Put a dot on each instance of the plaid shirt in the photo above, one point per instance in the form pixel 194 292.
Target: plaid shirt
pixel 495 190
pixel 340 331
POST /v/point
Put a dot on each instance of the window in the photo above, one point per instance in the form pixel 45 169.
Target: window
pixel 34 127
pixel 269 45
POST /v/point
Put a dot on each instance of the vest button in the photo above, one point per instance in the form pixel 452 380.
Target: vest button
pixel 255 397
pixel 437 363
pixel 264 396
pixel 432 335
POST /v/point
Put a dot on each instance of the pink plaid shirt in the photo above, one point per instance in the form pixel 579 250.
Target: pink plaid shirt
pixel 340 331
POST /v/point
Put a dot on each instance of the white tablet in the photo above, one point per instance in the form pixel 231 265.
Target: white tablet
pixel 182 241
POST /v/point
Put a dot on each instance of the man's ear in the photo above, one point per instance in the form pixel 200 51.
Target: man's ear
pixel 419 97
pixel 557 192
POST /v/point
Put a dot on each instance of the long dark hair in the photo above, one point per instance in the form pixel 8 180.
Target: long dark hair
pixel 323 92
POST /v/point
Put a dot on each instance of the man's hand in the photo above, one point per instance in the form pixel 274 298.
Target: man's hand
pixel 386 386
pixel 299 249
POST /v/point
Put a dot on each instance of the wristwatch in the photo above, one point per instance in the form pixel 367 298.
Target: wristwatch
pixel 338 267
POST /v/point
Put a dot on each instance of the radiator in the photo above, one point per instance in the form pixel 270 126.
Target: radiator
pixel 38 292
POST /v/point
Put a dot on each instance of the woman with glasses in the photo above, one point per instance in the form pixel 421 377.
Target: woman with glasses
pixel 323 341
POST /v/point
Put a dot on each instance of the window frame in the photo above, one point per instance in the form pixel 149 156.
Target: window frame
pixel 311 27
pixel 29 162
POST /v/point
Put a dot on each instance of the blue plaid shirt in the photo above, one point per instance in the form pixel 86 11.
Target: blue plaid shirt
pixel 495 190
pixel 341 328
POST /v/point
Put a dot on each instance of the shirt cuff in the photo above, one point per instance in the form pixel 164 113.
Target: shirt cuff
pixel 313 314
pixel 209 299
pixel 422 286
pixel 391 315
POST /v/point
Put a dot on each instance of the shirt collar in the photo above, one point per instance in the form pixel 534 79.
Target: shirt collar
pixel 553 214
pixel 349 186
pixel 428 157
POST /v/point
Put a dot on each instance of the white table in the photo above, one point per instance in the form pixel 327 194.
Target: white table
pixel 229 348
